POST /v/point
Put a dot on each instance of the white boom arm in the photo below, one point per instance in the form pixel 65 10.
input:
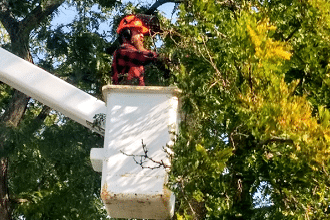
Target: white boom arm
pixel 49 89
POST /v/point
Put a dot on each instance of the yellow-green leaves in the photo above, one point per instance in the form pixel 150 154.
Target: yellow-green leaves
pixel 270 107
pixel 266 47
pixel 215 159
pixel 257 87
pixel 268 54
pixel 277 113
pixel 323 8
pixel 201 150
pixel 4 36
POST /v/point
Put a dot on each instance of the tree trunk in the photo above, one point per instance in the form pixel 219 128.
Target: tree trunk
pixel 19 32
pixel 5 212
pixel 241 180
pixel 11 118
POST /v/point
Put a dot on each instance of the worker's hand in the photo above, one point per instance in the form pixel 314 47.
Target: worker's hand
pixel 162 63
pixel 163 59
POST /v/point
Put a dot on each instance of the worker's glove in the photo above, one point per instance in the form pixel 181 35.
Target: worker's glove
pixel 162 60
pixel 162 63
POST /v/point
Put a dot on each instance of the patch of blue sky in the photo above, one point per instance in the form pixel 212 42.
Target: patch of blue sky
pixel 262 197
pixel 66 13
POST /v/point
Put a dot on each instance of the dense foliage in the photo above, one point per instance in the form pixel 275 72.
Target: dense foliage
pixel 254 141
pixel 49 170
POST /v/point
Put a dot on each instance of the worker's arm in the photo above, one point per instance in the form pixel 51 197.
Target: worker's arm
pixel 136 57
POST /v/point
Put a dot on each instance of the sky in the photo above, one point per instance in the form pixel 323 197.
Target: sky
pixel 66 14
pixel 166 8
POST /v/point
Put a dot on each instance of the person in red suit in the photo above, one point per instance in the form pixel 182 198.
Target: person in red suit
pixel 131 56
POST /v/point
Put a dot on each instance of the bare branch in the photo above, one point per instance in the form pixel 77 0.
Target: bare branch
pixel 19 201
pixel 143 158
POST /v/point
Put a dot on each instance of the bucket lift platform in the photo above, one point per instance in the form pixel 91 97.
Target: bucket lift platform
pixel 134 186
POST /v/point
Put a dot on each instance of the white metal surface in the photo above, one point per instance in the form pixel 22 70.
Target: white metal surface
pixel 134 114
pixel 49 89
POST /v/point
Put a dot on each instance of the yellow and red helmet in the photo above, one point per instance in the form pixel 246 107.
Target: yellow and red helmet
pixel 146 24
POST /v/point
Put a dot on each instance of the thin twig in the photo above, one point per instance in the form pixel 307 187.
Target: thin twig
pixel 143 158
pixel 185 197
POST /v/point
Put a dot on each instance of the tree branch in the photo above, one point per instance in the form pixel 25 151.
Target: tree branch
pixel 6 17
pixel 15 109
pixel 158 3
pixel 275 139
pixel 145 158
pixel 19 201
pixel 43 114
pixel 39 14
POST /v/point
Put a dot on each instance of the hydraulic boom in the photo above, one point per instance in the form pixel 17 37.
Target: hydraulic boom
pixel 50 90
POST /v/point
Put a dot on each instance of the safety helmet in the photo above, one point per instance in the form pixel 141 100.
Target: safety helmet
pixel 147 24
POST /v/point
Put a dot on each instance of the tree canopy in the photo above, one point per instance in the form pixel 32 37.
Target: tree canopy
pixel 254 140
pixel 254 143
